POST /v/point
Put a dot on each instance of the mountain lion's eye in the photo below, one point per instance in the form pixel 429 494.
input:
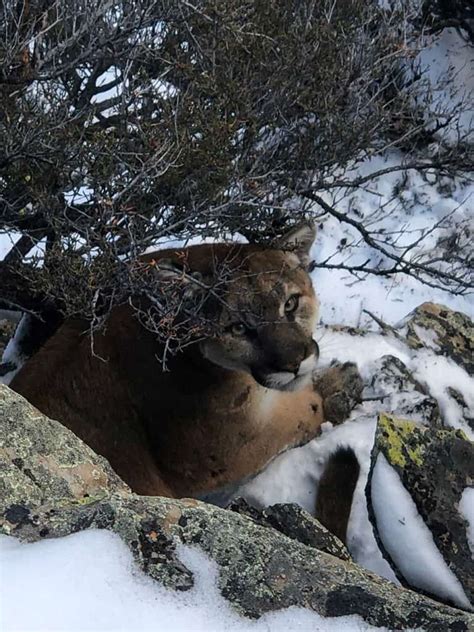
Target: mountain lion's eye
pixel 239 329
pixel 292 304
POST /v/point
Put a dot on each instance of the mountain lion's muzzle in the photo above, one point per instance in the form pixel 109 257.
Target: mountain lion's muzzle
pixel 289 360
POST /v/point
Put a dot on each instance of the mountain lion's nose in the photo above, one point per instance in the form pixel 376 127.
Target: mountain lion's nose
pixel 306 352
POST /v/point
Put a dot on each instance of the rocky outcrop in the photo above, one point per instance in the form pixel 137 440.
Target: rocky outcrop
pixel 53 485
pixel 294 522
pixel 393 381
pixel 432 332
pixel 443 330
pixel 435 466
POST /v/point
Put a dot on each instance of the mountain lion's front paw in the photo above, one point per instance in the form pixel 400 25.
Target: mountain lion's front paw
pixel 341 389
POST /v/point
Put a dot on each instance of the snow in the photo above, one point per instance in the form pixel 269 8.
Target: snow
pixel 109 76
pixel 466 509
pixel 436 372
pixel 88 581
pixel 7 241
pixel 427 337
pixel 165 242
pixel 363 350
pixel 422 201
pixel 408 540
pixel 449 54
pixel 420 206
pixel 441 373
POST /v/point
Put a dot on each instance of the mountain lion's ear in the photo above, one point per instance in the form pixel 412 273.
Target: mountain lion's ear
pixel 299 240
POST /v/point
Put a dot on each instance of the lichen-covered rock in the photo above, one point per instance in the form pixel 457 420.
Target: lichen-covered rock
pixel 397 389
pixel 53 485
pixel 294 522
pixel 435 466
pixel 41 461
pixel 443 330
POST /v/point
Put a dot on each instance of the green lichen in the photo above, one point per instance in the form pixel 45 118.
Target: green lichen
pixel 434 466
pixel 82 502
pixel 397 445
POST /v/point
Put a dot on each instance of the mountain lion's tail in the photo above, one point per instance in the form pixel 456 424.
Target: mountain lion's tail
pixel 336 490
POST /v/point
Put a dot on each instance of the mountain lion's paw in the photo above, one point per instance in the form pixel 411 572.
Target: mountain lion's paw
pixel 341 389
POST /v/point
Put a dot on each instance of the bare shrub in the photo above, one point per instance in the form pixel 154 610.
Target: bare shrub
pixel 123 125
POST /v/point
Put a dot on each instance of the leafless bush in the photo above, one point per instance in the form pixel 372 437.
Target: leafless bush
pixel 126 124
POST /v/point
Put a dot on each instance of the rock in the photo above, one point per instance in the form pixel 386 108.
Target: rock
pixel 43 462
pixel 443 330
pixel 296 523
pixel 437 332
pixel 466 411
pixel 397 390
pixel 53 485
pixel 435 466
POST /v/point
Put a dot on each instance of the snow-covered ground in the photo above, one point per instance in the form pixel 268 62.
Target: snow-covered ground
pixel 421 204
pixel 88 581
pixel 466 509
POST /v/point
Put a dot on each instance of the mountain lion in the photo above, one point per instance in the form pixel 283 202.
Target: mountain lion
pixel 228 403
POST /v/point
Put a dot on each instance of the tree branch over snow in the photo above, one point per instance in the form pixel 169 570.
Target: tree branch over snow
pixel 425 272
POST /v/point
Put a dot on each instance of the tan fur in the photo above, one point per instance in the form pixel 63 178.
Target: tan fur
pixel 198 426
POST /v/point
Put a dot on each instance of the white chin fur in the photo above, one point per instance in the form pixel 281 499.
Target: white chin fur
pixel 287 381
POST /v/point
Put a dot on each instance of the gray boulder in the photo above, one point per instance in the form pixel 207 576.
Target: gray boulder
pixel 294 522
pixel 443 330
pixel 435 466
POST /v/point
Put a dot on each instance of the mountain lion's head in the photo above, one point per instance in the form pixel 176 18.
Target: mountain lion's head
pixel 262 305
pixel 266 311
